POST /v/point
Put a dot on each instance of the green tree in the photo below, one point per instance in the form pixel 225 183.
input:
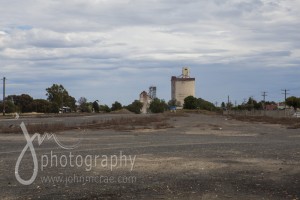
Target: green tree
pixel 104 108
pixel 253 104
pixel 205 105
pixel 116 106
pixel 223 106
pixel 84 106
pixel 22 102
pixel 42 106
pixel 59 95
pixel 96 106
pixel 158 106
pixel 54 107
pixel 9 106
pixel 293 101
pixel 135 107
pixel 190 102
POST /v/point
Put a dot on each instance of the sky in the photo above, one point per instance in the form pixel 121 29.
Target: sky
pixel 112 50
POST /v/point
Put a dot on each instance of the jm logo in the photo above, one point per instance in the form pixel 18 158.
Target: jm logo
pixel 29 145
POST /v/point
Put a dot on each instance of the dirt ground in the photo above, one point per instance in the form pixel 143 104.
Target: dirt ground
pixel 178 156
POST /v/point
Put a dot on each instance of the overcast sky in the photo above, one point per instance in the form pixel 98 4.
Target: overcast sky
pixel 111 50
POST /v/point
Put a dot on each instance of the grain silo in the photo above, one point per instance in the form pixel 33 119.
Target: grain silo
pixel 182 86
pixel 152 92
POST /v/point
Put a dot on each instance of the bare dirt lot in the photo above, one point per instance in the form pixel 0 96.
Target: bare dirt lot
pixel 177 156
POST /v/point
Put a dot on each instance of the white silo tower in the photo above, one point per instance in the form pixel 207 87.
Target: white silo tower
pixel 182 86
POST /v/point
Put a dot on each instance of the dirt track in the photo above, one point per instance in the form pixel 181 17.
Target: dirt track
pixel 201 157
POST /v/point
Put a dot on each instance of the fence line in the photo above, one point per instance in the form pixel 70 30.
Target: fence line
pixel 269 113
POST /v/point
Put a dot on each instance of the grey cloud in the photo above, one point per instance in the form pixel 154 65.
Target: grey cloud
pixel 76 39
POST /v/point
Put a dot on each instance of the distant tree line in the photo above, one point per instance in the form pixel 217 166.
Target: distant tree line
pixel 58 98
pixel 252 104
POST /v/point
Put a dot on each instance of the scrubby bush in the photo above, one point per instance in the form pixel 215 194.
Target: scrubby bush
pixel 135 107
pixel 158 106
pixel 192 103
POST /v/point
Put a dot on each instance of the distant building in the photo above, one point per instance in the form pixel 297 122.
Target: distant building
pixel 282 106
pixel 182 86
pixel 271 107
pixel 146 100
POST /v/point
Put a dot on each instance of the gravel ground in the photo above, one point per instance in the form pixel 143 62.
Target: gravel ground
pixel 200 157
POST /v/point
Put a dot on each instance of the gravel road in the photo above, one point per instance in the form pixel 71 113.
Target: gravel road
pixel 201 157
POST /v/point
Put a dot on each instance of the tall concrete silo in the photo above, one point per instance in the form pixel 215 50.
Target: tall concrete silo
pixel 182 86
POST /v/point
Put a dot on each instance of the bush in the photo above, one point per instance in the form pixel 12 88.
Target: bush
pixel 9 107
pixel 41 106
pixel 104 108
pixel 116 106
pixel 192 103
pixel 135 107
pixel 96 106
pixel 158 106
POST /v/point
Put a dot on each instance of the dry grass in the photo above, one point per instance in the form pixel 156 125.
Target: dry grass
pixel 206 112
pixel 131 123
pixel 120 124
pixel 291 123
pixel 179 113
pixel 34 128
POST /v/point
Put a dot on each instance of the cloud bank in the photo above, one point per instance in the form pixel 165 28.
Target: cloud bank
pixel 112 50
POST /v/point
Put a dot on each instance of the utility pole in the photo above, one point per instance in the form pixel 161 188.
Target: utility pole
pixel 285 93
pixel 4 95
pixel 264 94
pixel 252 105
pixel 228 101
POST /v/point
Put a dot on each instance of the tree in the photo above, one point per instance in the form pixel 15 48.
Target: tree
pixel 223 106
pixel 135 107
pixel 293 101
pixel 43 106
pixel 253 104
pixel 9 106
pixel 70 102
pixel 59 95
pixel 116 106
pixel 205 105
pixel 158 106
pixel 54 108
pixel 84 106
pixel 104 108
pixel 82 101
pixel 96 106
pixel 22 102
pixel 190 102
